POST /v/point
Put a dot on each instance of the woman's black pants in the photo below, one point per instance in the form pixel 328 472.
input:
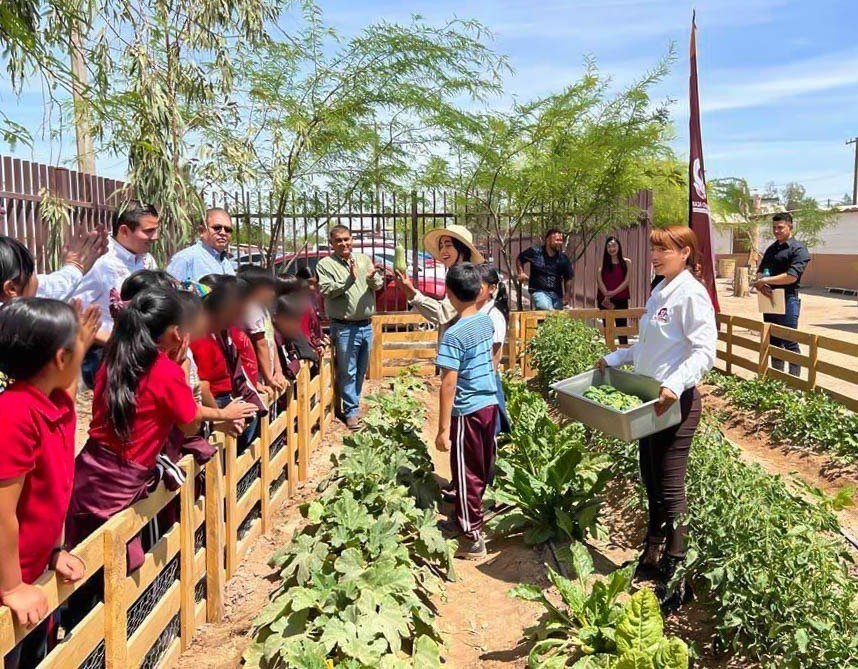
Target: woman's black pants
pixel 664 461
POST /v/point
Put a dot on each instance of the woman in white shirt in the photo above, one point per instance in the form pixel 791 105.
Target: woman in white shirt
pixel 676 346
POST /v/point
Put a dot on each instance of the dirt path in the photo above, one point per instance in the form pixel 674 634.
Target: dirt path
pixel 482 626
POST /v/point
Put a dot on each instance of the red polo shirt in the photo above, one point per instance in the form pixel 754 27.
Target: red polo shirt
pixel 163 399
pixel 211 365
pixel 247 353
pixel 38 444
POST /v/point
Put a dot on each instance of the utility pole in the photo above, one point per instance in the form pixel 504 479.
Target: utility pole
pixel 854 141
pixel 83 129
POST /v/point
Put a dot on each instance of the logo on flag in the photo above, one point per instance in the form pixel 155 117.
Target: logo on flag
pixel 699 205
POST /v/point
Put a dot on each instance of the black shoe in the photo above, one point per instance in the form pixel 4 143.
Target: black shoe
pixel 650 572
pixel 671 598
pixel 449 528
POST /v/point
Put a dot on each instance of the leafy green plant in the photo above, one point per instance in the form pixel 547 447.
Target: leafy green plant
pixel 802 419
pixel 356 581
pixel 613 398
pixel 592 628
pixel 547 474
pixel 771 562
pixel 563 347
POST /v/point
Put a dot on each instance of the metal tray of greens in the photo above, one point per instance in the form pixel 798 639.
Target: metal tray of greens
pixel 626 422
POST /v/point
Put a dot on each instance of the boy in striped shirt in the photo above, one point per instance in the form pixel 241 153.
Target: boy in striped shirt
pixel 468 406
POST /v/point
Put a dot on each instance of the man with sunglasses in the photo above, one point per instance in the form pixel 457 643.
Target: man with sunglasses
pixel 210 255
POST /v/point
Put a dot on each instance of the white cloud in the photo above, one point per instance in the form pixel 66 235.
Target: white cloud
pixel 726 90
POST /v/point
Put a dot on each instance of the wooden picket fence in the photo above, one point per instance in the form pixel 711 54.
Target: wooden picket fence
pixel 407 339
pixel 829 365
pixel 146 618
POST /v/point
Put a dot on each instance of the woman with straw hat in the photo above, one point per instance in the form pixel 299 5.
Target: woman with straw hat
pixel 449 246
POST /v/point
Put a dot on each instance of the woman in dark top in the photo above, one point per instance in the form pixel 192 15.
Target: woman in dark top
pixel 613 281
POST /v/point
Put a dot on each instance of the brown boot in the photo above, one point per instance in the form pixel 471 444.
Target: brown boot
pixel 650 559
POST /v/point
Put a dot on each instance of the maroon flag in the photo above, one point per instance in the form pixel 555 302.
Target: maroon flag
pixel 698 204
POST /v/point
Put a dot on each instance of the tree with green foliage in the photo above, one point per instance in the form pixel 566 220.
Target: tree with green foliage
pixel 159 73
pixel 354 116
pixel 573 156
pixel 736 210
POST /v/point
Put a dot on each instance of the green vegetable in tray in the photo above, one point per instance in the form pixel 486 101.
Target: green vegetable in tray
pixel 611 397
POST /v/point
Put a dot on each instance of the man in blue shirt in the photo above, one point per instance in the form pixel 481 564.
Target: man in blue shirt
pixel 468 405
pixel 210 255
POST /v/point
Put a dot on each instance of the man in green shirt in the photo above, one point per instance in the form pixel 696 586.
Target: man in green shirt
pixel 348 282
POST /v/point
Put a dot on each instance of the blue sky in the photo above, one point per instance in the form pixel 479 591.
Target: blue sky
pixel 778 78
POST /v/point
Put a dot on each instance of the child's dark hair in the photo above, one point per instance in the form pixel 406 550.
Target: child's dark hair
pixel 16 263
pixel 305 273
pixel 32 330
pixel 464 281
pixel 289 285
pixel 251 277
pixel 288 306
pixel 132 350
pixel 491 276
pixel 144 279
pixel 192 305
pixel 224 289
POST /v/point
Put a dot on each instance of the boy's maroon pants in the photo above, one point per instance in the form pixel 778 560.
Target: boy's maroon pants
pixel 472 459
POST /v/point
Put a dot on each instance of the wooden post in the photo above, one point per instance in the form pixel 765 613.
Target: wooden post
pixel 729 366
pixel 513 338
pixel 814 358
pixel 187 615
pixel 265 472
pixel 115 606
pixel 303 421
pixel 610 324
pixel 323 390
pixel 291 438
pixel 376 359
pixel 763 365
pixel 741 282
pixel 214 537
pixel 230 483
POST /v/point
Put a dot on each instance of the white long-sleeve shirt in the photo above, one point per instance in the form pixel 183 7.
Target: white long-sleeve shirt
pixel 109 271
pixel 677 335
pixel 59 285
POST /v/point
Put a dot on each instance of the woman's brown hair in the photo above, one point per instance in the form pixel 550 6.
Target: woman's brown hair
pixel 678 237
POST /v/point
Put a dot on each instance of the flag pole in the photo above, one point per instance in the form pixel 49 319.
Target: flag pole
pixel 699 219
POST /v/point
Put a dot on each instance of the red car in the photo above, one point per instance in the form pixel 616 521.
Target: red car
pixel 386 300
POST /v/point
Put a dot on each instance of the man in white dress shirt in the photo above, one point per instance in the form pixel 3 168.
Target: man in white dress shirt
pixel 135 230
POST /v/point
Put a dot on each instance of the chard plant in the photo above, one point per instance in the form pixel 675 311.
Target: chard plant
pixel 596 626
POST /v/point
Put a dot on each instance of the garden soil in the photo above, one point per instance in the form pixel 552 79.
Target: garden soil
pixel 481 625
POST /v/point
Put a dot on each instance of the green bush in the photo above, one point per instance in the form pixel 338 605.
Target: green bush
pixel 803 419
pixel 563 347
pixel 547 473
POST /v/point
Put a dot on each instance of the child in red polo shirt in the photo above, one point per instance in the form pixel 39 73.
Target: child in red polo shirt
pixel 221 365
pixel 42 343
pixel 140 394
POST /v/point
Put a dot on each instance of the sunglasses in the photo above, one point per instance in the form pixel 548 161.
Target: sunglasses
pixel 222 228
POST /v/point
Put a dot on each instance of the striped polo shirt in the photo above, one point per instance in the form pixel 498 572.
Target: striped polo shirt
pixel 466 348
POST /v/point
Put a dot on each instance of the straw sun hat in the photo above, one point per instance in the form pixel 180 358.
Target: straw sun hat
pixel 432 238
